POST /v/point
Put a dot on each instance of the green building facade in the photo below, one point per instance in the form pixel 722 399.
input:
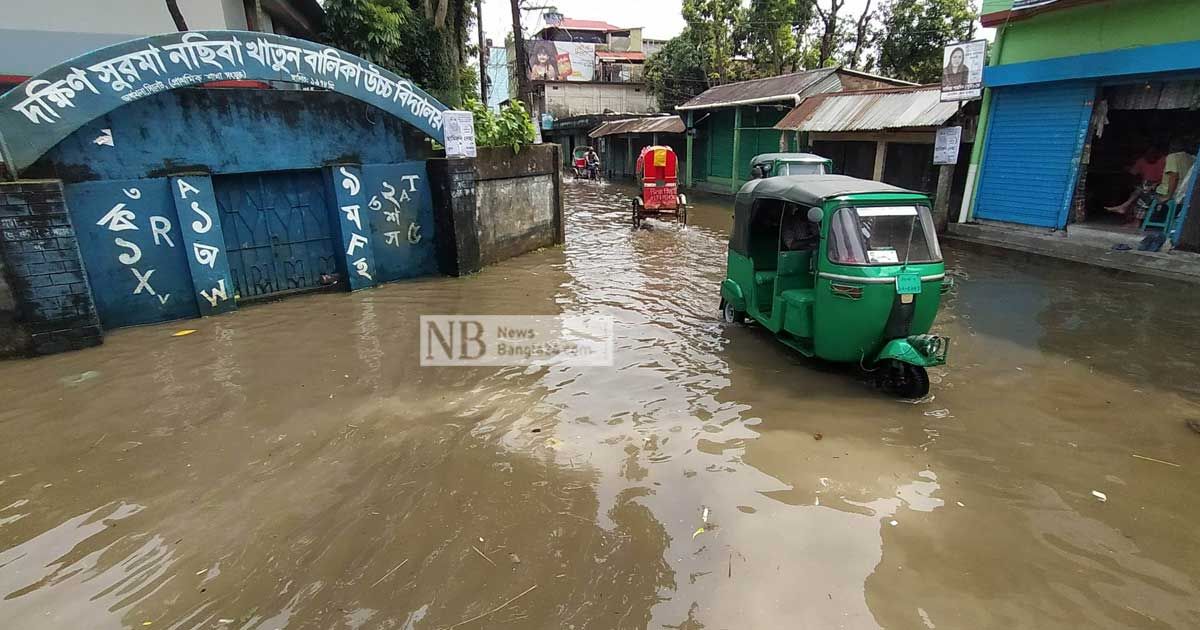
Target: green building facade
pixel 1076 91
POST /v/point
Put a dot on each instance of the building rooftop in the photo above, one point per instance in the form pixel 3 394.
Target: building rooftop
pixel 657 124
pixel 787 89
pixel 585 25
pixel 871 110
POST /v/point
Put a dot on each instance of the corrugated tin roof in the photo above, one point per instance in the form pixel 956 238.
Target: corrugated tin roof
pixel 784 88
pixel 870 110
pixel 659 124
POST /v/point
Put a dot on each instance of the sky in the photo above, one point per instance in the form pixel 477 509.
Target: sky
pixel 660 18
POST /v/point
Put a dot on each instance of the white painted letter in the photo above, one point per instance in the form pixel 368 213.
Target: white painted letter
pixel 356 240
pixel 118 219
pixel 414 233
pixel 161 226
pixel 218 294
pixel 352 215
pixel 360 265
pixel 134 255
pixel 143 281
pixel 205 254
pixel 132 193
pixel 412 182
pixel 185 188
pixel 201 227
pixel 350 181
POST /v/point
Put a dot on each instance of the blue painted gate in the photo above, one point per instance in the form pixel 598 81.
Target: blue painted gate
pixel 1034 144
pixel 279 231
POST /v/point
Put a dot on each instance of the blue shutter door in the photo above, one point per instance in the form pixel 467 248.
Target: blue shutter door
pixel 1034 143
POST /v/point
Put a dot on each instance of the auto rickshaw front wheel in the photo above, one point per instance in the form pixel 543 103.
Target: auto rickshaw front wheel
pixel 731 315
pixel 905 380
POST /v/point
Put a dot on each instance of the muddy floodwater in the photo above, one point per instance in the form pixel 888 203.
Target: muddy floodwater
pixel 291 466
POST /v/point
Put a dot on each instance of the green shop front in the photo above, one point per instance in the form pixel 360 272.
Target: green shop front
pixel 729 124
pixel 1077 93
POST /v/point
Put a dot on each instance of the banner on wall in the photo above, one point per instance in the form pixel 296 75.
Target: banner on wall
pixel 560 61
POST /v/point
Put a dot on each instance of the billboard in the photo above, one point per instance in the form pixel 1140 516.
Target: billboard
pixel 560 61
pixel 962 70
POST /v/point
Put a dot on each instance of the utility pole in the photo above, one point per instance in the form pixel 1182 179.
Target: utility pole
pixel 523 91
pixel 484 54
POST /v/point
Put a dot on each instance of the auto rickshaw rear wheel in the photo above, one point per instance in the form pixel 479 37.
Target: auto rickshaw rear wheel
pixel 637 216
pixel 731 315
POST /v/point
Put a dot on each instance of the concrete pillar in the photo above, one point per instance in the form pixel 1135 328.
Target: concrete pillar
pixel 353 223
pixel 737 141
pixel 49 306
pixel 204 243
pixel 687 175
pixel 941 203
pixel 628 155
pixel 452 183
pixel 880 158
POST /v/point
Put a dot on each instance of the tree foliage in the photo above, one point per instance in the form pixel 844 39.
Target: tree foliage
pixel 715 27
pixel 773 31
pixel 675 74
pixel 511 128
pixel 914 32
pixel 423 40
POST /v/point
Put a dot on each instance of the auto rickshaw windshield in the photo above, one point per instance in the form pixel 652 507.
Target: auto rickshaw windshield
pixel 801 168
pixel 883 236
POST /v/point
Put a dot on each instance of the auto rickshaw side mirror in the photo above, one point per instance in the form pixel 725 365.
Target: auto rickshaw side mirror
pixel 815 215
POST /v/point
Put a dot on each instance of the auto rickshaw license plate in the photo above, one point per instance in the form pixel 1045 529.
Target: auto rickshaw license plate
pixel 908 284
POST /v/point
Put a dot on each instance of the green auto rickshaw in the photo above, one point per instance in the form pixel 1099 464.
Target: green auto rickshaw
pixel 779 164
pixel 841 269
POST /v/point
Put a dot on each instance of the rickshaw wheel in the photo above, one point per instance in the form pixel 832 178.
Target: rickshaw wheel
pixel 908 381
pixel 637 218
pixel 731 315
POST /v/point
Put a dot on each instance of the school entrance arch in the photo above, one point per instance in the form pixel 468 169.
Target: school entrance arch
pixel 45 109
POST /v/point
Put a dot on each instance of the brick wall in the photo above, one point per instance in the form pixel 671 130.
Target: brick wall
pixel 51 307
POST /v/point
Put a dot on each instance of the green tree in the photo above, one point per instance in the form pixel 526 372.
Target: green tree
pixel 423 40
pixel 371 29
pixel 914 32
pixel 772 29
pixel 716 26
pixel 675 74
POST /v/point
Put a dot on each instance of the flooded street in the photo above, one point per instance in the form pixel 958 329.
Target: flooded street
pixel 290 465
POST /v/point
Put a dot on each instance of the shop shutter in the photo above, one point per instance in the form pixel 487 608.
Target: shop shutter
pixel 1034 142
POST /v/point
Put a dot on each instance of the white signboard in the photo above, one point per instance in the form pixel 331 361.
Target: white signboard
pixel 962 70
pixel 460 133
pixel 945 145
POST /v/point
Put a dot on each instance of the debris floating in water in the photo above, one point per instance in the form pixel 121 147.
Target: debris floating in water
pixel 1157 461
pixel 183 333
pixel 1100 495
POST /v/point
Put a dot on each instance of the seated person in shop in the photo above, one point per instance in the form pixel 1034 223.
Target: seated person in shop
pixel 1149 171
pixel 798 233
pixel 1178 167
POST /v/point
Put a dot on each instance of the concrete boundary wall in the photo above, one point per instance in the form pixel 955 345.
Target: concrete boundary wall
pixel 496 206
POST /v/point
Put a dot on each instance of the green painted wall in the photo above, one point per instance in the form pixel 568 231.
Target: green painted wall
pixel 1098 27
pixel 993 6
pixel 756 141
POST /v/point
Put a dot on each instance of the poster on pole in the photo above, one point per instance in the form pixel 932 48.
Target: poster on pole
pixel 962 70
pixel 459 127
pixel 946 144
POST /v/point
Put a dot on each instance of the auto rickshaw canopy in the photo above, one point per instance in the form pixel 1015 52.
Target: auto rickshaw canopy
pixel 804 190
